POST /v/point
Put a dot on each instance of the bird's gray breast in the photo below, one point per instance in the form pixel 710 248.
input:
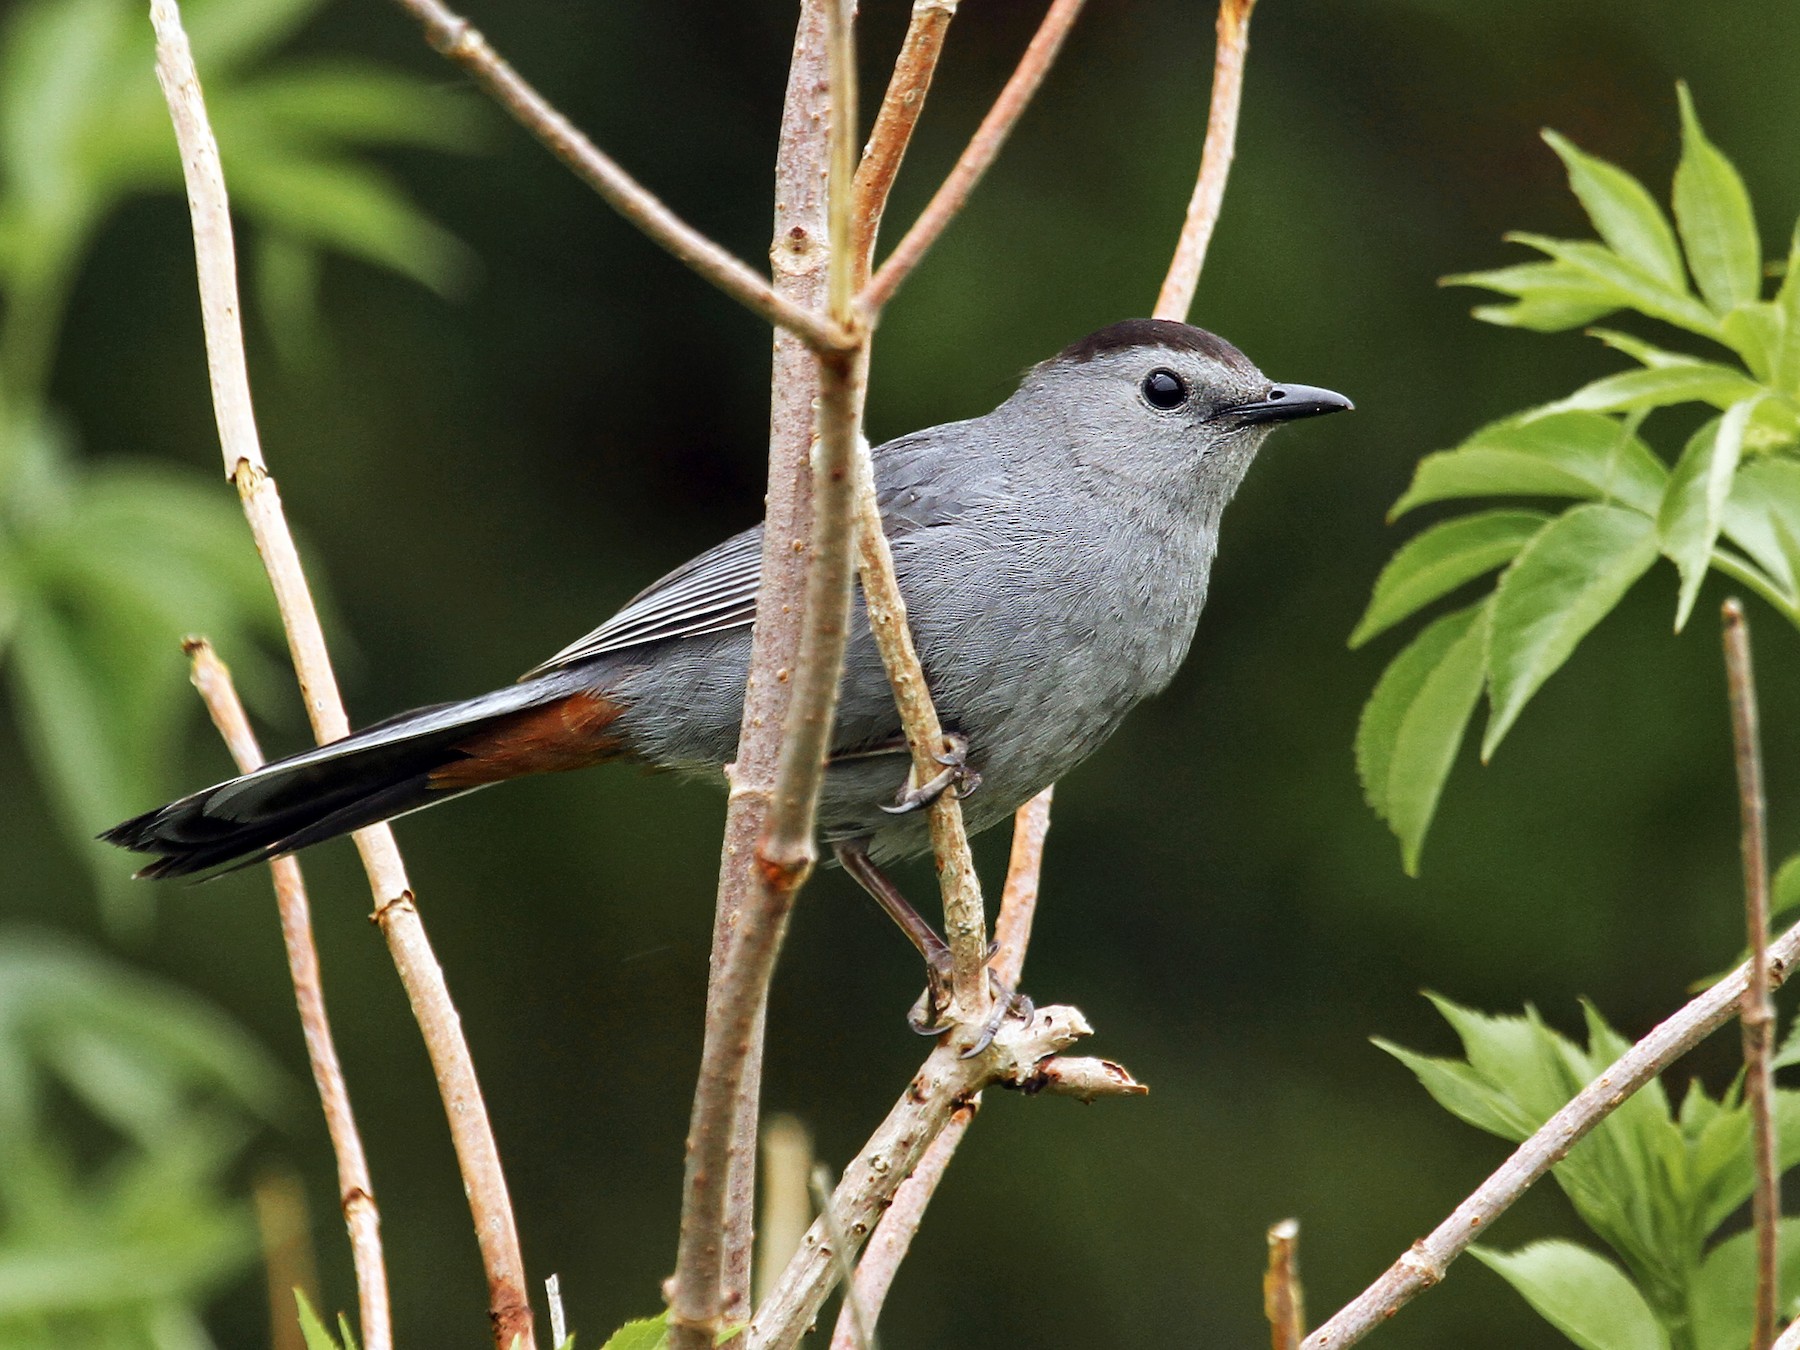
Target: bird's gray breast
pixel 1044 610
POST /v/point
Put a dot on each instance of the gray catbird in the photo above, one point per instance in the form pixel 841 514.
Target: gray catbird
pixel 1054 557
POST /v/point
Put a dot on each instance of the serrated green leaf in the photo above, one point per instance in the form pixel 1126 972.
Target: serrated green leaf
pixel 1712 211
pixel 1414 722
pixel 1762 517
pixel 1784 893
pixel 1635 287
pixel 647 1333
pixel 1580 1293
pixel 1755 330
pixel 1724 1289
pixel 1787 302
pixel 1579 454
pixel 1624 214
pixel 1563 583
pixel 355 210
pixel 1693 508
pixel 1644 353
pixel 1658 387
pixel 1552 296
pixel 312 1329
pixel 1462 1092
pixel 1436 562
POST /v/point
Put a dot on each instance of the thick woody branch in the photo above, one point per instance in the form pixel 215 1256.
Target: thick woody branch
pixel 1426 1262
pixel 459 41
pixel 1758 1015
pixel 356 1193
pixel 980 153
pixel 420 974
pixel 796 659
pixel 1177 295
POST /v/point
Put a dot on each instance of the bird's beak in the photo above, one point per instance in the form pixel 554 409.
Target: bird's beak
pixel 1285 402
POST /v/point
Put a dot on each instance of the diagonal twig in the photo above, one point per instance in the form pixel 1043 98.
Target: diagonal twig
pixel 356 1193
pixel 980 153
pixel 395 910
pixel 1426 1262
pixel 1177 295
pixel 1758 1016
pixel 459 41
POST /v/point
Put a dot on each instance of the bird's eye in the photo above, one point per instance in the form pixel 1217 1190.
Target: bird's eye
pixel 1165 389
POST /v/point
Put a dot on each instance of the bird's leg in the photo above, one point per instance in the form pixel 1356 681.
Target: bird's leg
pixel 956 772
pixel 928 1015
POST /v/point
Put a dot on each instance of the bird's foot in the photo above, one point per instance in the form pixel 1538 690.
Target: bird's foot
pixel 956 774
pixel 932 1014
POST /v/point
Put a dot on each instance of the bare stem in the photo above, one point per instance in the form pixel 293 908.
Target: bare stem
pixel 946 1082
pixel 1425 1263
pixel 1758 1015
pixel 894 1233
pixel 1177 295
pixel 471 1132
pixel 898 1226
pixel 894 123
pixel 459 41
pixel 803 607
pixel 356 1193
pixel 1284 1302
pixel 787 1163
pixel 981 151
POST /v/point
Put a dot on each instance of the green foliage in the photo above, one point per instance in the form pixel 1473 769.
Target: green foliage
pixel 315 1333
pixel 1728 503
pixel 104 567
pixel 124 1109
pixel 647 1333
pixel 1654 1182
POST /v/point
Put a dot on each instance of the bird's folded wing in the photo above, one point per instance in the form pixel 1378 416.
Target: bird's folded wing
pixel 714 592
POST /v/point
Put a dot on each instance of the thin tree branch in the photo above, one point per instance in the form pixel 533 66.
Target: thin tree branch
pixel 898 1226
pixel 1758 1015
pixel 459 41
pixel 894 123
pixel 770 851
pixel 980 153
pixel 285 1233
pixel 1177 295
pixel 851 1315
pixel 946 1082
pixel 1425 1263
pixel 1284 1302
pixel 1012 935
pixel 395 911
pixel 356 1192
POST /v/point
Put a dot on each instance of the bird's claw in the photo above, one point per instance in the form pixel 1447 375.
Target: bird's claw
pixel 956 774
pixel 930 1016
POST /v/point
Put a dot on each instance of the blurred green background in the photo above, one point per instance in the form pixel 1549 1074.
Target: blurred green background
pixel 481 475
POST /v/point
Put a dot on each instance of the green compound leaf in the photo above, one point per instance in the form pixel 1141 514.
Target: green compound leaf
pixel 1658 387
pixel 1712 210
pixel 1442 558
pixel 1577 454
pixel 1414 722
pixel 1625 215
pixel 1693 508
pixel 1563 583
pixel 1579 1292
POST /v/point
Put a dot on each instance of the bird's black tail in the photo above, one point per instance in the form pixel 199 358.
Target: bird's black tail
pixel 408 762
